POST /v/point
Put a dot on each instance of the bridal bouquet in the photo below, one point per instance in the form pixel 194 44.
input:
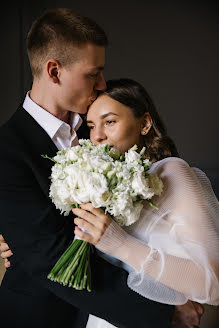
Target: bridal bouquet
pixel 100 175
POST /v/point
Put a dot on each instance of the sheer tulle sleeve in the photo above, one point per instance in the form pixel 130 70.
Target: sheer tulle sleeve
pixel 173 251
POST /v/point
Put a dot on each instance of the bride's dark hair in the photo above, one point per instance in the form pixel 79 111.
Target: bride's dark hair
pixel 133 95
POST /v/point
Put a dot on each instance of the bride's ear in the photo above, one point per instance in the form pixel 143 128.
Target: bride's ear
pixel 146 124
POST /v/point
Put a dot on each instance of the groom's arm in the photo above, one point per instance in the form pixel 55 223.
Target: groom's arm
pixel 35 230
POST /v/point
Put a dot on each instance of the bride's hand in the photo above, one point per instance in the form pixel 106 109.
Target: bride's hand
pixel 91 219
pixel 5 252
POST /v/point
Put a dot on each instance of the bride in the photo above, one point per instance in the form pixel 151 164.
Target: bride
pixel 171 253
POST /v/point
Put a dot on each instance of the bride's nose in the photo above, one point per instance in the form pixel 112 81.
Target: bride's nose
pixel 99 135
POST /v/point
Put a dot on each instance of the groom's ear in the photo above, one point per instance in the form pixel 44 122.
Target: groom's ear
pixel 53 68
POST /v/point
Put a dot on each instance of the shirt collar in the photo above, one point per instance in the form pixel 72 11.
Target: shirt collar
pixel 49 122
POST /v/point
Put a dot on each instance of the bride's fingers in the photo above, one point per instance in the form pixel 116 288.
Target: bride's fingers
pixel 1 239
pixel 7 264
pixel 97 217
pixel 96 211
pixel 6 254
pixel 90 237
pixel 89 227
pixel 84 214
pixel 92 233
pixel 83 224
pixel 4 247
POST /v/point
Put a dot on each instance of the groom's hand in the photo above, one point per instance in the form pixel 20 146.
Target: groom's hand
pixel 187 315
pixel 5 251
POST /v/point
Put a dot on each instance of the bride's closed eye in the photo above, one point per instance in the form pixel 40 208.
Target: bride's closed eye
pixel 109 122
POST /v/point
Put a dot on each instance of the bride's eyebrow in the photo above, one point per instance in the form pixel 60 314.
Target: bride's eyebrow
pixel 104 116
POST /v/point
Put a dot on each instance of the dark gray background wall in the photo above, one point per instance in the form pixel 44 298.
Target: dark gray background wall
pixel 171 47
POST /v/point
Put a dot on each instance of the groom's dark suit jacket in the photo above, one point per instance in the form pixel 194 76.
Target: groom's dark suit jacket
pixel 38 235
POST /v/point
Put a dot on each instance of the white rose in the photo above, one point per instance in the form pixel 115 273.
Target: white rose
pixel 98 189
pixel 96 163
pixel 101 201
pixel 59 193
pixel 129 214
pixel 57 172
pixel 140 185
pixel 156 184
pixel 132 214
pixel 78 186
pixel 119 202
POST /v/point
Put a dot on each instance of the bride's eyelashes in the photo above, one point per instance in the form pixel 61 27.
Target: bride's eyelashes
pixel 110 122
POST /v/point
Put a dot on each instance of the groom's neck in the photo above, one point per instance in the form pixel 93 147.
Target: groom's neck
pixel 45 96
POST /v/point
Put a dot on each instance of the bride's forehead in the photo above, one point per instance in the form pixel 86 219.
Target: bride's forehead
pixel 102 105
pixel 105 103
pixel 104 100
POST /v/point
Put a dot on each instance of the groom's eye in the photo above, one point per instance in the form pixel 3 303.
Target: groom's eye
pixel 90 127
pixel 94 75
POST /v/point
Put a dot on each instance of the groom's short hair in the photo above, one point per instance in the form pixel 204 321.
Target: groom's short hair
pixel 57 33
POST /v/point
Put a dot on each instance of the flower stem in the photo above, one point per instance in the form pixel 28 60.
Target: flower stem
pixel 73 267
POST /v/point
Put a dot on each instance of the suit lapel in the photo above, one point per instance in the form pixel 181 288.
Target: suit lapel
pixel 36 142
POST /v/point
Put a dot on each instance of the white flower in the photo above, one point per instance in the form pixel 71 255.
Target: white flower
pixel 60 156
pixel 156 184
pixel 147 162
pixel 120 202
pixel 98 189
pixel 77 185
pixel 72 154
pixel 57 172
pixel 132 158
pixel 132 214
pixel 140 185
pixel 97 174
pixel 59 194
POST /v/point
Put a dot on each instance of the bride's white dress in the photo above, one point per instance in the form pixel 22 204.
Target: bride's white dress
pixel 171 253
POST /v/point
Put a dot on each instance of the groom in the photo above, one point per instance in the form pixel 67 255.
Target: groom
pixel 66 53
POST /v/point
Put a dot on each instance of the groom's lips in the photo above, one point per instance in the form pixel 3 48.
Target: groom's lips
pixel 92 99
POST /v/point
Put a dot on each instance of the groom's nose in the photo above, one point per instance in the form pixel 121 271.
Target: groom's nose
pixel 100 83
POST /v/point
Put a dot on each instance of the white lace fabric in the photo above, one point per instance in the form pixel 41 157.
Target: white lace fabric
pixel 173 252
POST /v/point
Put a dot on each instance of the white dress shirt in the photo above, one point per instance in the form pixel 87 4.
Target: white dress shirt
pixel 62 134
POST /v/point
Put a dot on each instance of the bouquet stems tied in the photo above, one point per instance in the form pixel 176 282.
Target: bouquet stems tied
pixel 73 267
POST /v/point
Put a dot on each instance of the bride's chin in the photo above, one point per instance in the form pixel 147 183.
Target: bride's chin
pixel 122 151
